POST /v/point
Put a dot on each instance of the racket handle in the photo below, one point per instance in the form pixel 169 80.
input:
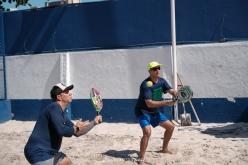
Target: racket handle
pixel 97 114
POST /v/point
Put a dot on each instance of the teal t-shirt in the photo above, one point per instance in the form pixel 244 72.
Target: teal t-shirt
pixel 152 91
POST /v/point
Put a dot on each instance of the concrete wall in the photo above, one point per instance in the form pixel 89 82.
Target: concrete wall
pixel 117 73
pixel 1 78
pixel 215 70
pixel 31 76
pixel 5 110
pixel 217 74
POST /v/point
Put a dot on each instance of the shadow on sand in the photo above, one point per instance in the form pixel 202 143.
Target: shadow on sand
pixel 235 130
pixel 123 154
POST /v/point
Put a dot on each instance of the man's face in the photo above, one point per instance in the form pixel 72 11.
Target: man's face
pixel 65 96
pixel 155 72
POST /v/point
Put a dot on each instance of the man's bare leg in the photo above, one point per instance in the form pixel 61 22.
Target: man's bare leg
pixel 169 128
pixel 144 142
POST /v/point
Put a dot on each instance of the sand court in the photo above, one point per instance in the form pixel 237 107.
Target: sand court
pixel 118 143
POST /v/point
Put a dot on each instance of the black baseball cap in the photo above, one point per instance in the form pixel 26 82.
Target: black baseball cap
pixel 58 89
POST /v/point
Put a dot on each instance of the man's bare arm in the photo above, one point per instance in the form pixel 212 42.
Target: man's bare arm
pixel 84 127
pixel 156 104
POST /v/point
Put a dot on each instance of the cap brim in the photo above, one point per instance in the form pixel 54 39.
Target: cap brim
pixel 156 66
pixel 68 88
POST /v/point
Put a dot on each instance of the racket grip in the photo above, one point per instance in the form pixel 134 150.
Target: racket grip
pixel 97 114
pixel 175 98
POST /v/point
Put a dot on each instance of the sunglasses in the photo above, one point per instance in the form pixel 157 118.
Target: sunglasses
pixel 155 68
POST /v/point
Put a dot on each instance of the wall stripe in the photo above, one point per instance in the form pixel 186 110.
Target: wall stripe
pixel 215 110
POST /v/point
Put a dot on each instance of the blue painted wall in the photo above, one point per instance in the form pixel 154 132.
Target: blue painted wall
pixel 215 110
pixel 5 110
pixel 123 23
pixel 211 20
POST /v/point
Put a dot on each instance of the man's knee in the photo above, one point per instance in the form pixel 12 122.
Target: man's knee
pixel 172 127
pixel 168 126
pixel 147 132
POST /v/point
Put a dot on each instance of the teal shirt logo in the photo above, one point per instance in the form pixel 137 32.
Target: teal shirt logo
pixel 157 94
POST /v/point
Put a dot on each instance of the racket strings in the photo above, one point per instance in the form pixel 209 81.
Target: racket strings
pixel 185 93
pixel 97 100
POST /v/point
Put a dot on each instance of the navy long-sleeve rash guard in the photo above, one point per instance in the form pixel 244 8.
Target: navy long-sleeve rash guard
pixel 46 138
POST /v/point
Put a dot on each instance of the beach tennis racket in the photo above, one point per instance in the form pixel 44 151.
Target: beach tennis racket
pixel 96 100
pixel 185 93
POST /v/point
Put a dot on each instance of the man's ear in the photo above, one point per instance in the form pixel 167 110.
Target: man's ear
pixel 59 97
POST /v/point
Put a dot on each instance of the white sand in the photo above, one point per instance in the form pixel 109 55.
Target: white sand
pixel 208 144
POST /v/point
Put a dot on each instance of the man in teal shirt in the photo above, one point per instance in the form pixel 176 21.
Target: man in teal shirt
pixel 149 105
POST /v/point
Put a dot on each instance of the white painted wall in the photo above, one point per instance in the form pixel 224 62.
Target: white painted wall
pixel 215 70
pixel 116 73
pixel 212 70
pixel 1 85
pixel 31 76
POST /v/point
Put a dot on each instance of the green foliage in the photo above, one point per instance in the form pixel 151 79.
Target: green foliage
pixel 16 2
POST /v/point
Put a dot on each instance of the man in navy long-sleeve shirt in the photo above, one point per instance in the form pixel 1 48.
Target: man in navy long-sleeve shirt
pixel 52 125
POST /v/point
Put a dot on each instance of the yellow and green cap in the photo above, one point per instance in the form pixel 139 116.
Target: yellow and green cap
pixel 153 64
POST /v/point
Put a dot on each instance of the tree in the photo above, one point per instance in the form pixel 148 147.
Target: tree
pixel 17 3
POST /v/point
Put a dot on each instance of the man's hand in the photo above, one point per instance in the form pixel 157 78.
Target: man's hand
pixel 98 119
pixel 82 127
pixel 82 124
pixel 173 92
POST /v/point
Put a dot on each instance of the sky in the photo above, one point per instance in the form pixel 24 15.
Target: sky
pixel 38 3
